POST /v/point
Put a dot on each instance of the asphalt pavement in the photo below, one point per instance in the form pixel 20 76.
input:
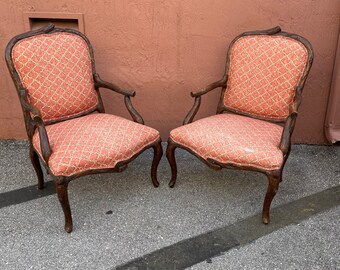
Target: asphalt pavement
pixel 210 220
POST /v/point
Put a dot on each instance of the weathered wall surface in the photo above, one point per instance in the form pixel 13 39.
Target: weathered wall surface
pixel 332 123
pixel 166 48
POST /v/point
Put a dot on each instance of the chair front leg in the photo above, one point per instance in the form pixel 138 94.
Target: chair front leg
pixel 158 153
pixel 61 188
pixel 37 167
pixel 274 179
pixel 170 155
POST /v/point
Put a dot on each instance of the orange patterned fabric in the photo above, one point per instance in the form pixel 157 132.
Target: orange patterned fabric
pixel 95 141
pixel 57 72
pixel 233 139
pixel 263 74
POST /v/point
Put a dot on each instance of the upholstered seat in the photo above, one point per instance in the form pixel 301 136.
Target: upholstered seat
pixel 95 141
pixel 233 139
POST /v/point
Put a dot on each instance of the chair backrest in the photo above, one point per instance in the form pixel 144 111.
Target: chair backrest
pixel 56 70
pixel 263 73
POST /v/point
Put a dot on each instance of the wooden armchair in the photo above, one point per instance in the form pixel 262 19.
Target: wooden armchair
pixel 261 92
pixel 68 129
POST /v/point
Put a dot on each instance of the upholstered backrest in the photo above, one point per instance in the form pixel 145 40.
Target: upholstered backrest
pixel 56 70
pixel 264 72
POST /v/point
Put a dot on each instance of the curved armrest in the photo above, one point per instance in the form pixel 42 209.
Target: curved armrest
pixel 101 83
pixel 197 95
pixel 290 123
pixel 44 142
pixel 287 133
pixel 127 94
pixel 39 123
pixel 200 92
pixel 191 114
pixel 134 114
pixel 34 111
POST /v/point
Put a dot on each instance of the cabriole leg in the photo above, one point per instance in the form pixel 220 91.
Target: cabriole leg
pixel 274 179
pixel 61 188
pixel 37 167
pixel 158 153
pixel 170 155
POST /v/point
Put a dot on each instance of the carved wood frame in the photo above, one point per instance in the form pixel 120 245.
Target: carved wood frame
pixel 33 121
pixel 274 176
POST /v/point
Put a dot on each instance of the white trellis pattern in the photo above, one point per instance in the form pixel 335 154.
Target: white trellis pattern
pixel 57 72
pixel 95 141
pixel 264 72
pixel 233 139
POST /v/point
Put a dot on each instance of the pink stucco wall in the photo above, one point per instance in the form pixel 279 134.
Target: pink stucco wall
pixel 165 49
pixel 332 123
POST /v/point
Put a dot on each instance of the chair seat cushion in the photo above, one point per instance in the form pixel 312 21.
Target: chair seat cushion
pixel 95 141
pixel 233 139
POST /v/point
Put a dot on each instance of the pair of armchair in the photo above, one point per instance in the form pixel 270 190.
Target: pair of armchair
pixel 71 135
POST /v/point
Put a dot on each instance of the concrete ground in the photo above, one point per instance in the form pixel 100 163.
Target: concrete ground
pixel 121 220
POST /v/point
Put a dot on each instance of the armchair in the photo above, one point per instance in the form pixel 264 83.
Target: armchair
pixel 68 130
pixel 261 92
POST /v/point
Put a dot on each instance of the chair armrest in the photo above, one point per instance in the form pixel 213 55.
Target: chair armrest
pixel 34 111
pixel 191 114
pixel 197 95
pixel 101 83
pixel 134 114
pixel 287 133
pixel 127 94
pixel 38 123
pixel 290 123
pixel 44 142
pixel 214 85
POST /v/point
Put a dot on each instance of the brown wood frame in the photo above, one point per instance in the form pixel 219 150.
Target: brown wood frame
pixel 33 121
pixel 274 176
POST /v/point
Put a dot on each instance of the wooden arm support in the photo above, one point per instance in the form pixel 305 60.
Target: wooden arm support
pixel 290 123
pixel 34 111
pixel 38 123
pixel 127 94
pixel 44 142
pixel 220 83
pixel 286 134
pixel 134 114
pixel 197 95
pixel 101 83
pixel 191 114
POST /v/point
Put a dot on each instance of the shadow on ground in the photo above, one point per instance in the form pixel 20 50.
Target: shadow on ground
pixel 121 217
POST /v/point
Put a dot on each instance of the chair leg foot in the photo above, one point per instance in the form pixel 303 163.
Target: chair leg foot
pixel 170 155
pixel 37 167
pixel 274 179
pixel 158 153
pixel 63 199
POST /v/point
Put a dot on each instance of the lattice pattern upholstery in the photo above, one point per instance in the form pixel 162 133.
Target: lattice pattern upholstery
pixel 264 72
pixel 57 72
pixel 95 141
pixel 233 139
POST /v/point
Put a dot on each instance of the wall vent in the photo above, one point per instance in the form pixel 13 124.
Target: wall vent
pixel 35 20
